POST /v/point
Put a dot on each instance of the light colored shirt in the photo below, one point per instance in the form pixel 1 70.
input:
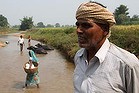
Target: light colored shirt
pixel 21 40
pixel 111 70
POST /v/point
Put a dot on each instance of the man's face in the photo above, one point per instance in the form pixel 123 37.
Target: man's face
pixel 90 35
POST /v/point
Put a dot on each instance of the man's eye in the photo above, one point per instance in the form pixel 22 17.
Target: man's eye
pixel 86 25
pixel 77 24
pixel 83 25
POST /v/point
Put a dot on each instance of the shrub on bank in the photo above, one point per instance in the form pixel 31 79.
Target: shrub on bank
pixel 126 37
pixel 6 30
pixel 65 39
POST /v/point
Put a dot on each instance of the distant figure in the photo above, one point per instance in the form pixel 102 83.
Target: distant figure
pixel 21 42
pixel 29 41
pixel 6 42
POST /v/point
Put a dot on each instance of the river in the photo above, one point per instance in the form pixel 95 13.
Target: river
pixel 54 70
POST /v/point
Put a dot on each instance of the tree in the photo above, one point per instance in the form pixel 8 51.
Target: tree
pixel 121 14
pixel 49 25
pixel 57 25
pixel 135 18
pixel 16 26
pixel 26 23
pixel 40 24
pixel 3 21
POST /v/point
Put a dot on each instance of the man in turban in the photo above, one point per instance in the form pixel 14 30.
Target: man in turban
pixel 100 66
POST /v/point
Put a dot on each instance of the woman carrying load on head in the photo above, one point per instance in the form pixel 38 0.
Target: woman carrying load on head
pixel 32 79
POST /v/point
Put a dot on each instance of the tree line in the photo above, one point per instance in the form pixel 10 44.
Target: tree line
pixel 121 16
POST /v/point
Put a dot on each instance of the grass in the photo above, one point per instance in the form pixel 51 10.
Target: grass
pixel 7 30
pixel 126 37
pixel 65 39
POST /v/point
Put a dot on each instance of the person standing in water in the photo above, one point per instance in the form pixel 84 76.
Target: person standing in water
pixel 21 42
pixel 32 78
pixel 29 41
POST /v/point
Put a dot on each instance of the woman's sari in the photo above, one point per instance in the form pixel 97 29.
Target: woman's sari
pixel 32 79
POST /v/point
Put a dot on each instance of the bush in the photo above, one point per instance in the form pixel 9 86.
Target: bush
pixel 65 39
pixel 126 37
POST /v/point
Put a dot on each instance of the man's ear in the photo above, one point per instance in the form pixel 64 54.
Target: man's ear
pixel 106 33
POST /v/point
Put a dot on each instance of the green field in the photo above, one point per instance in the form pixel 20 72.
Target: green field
pixel 65 39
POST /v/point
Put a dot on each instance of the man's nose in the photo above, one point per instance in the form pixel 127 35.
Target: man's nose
pixel 79 29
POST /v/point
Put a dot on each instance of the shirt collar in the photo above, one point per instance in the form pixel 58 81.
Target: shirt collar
pixel 103 51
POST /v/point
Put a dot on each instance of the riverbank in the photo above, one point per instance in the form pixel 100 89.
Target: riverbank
pixel 2 44
pixel 4 31
pixel 65 39
pixel 18 35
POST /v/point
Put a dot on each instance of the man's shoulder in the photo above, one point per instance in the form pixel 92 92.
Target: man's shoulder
pixel 123 55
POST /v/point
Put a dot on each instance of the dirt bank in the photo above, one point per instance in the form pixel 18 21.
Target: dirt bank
pixel 18 34
pixel 2 44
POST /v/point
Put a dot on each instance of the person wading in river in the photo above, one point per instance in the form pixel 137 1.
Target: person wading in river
pixel 32 78
pixel 101 67
pixel 29 41
pixel 21 42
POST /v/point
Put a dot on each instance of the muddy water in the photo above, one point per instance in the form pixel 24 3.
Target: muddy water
pixel 54 71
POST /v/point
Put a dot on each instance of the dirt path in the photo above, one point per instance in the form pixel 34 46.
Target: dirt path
pixel 2 44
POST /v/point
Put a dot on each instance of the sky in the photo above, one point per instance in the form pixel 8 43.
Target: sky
pixel 57 11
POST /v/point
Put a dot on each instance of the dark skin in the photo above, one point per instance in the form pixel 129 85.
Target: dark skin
pixel 91 36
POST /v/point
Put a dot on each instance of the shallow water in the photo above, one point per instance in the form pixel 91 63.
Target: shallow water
pixel 54 70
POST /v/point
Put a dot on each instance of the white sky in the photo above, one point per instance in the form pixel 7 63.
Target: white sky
pixel 57 11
